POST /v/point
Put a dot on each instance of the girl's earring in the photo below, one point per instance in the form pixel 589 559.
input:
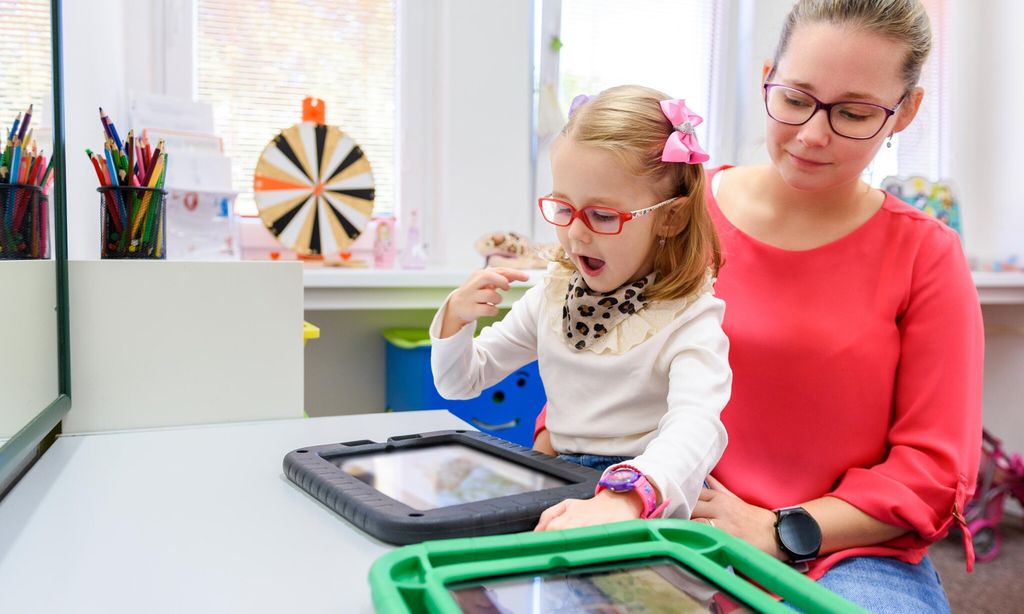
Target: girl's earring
pixel 661 242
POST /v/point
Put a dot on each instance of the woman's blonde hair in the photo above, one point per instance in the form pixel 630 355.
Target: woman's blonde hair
pixel 628 121
pixel 904 21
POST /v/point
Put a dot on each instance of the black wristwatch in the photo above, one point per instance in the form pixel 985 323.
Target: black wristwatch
pixel 797 533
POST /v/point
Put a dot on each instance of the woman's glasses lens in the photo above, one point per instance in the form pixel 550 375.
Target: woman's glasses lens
pixel 850 119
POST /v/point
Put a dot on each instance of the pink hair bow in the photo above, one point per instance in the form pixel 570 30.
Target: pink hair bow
pixel 682 145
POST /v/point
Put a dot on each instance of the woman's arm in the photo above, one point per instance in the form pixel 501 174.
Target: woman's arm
pixel 842 525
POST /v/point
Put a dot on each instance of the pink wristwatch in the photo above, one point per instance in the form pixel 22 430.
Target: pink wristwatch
pixel 626 478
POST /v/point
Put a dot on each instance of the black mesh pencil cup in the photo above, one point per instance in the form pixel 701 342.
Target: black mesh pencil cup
pixel 24 216
pixel 134 223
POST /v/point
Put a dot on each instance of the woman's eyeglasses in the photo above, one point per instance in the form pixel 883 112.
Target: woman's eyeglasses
pixel 853 120
pixel 601 220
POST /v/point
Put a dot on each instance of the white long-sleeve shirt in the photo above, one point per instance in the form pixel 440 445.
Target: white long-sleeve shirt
pixel 657 397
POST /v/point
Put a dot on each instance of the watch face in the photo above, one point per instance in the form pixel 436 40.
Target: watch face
pixel 620 479
pixel 800 534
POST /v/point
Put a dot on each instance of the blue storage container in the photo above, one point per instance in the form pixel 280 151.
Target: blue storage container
pixel 507 410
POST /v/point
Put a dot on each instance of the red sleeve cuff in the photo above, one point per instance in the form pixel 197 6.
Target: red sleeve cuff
pixel 893 502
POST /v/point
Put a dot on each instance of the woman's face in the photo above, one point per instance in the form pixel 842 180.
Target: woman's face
pixel 836 63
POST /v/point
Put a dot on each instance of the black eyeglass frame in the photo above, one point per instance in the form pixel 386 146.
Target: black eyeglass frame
pixel 827 107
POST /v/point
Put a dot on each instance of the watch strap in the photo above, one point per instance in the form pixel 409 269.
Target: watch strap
pixel 643 488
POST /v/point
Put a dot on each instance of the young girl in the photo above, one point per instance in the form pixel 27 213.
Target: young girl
pixel 625 326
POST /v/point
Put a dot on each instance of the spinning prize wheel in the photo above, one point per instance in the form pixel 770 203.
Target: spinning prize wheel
pixel 314 189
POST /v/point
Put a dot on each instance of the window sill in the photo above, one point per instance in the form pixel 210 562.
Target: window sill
pixel 344 289
pixel 350 289
pixel 1005 288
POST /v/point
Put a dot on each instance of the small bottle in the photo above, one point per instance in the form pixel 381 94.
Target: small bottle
pixel 414 256
pixel 384 242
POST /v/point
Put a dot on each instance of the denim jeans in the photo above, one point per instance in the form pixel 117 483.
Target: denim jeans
pixel 594 461
pixel 883 585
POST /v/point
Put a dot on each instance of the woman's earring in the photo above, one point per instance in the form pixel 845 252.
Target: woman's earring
pixel 888 143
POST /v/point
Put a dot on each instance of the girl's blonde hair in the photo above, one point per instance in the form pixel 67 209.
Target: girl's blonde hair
pixel 628 121
pixel 904 21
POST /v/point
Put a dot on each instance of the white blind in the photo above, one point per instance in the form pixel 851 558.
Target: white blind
pixel 25 67
pixel 922 149
pixel 664 44
pixel 257 61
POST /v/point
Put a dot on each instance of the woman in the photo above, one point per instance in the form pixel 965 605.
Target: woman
pixel 855 328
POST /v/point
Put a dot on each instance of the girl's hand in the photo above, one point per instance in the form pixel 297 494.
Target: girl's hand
pixel 478 297
pixel 719 507
pixel 605 507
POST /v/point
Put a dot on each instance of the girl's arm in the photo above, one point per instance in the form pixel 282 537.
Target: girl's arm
pixel 691 437
pixel 463 365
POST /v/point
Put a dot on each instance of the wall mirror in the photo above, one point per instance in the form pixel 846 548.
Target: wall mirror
pixel 34 364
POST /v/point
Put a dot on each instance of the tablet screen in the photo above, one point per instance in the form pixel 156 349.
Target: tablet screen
pixel 439 476
pixel 654 586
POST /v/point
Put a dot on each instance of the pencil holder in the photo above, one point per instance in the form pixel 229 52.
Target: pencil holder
pixel 24 216
pixel 133 221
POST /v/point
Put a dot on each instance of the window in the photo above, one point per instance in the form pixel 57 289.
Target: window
pixel 585 46
pixel 25 72
pixel 610 42
pixel 256 62
pixel 921 149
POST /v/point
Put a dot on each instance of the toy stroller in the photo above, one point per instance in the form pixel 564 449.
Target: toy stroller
pixel 1000 475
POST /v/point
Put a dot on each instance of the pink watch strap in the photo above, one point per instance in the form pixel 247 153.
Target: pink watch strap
pixel 643 488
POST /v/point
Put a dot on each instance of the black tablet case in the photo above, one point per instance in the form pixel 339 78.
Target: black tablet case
pixel 397 523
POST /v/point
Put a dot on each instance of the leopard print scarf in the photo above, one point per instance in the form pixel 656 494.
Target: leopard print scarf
pixel 588 315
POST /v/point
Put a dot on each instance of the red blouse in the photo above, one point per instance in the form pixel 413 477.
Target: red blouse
pixel 857 374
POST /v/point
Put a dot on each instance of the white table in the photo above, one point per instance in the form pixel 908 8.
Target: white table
pixel 189 519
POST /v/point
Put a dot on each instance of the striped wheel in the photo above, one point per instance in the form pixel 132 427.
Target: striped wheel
pixel 314 189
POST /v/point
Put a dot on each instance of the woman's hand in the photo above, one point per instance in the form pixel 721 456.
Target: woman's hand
pixel 606 506
pixel 543 443
pixel 478 297
pixel 718 507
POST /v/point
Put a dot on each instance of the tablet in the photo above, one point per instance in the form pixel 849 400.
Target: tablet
pixel 654 585
pixel 436 485
pixel 653 566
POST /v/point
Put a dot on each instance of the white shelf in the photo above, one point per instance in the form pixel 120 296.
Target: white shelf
pixel 1000 288
pixel 349 289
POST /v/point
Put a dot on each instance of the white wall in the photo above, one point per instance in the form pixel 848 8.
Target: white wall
pixel 484 85
pixel 99 71
pixel 987 126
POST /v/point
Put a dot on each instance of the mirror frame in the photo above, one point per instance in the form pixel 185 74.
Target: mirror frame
pixel 19 453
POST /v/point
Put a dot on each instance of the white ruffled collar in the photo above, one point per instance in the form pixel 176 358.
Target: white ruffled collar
pixel 629 333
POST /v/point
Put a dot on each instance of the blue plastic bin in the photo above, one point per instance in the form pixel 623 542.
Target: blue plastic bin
pixel 507 410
